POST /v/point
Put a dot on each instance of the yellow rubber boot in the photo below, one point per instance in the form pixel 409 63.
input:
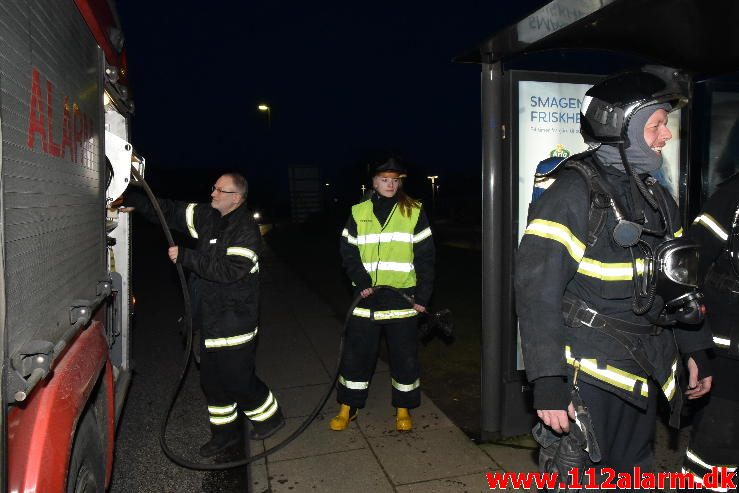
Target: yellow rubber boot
pixel 341 421
pixel 403 421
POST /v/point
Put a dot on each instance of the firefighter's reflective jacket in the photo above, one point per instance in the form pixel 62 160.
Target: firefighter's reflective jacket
pixel 224 268
pixel 711 229
pixel 382 246
pixel 553 260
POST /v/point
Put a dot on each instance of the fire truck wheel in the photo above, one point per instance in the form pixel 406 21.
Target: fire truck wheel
pixel 87 467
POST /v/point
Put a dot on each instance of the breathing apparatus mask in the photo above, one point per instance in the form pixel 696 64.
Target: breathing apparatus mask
pixel 675 277
pixel 669 271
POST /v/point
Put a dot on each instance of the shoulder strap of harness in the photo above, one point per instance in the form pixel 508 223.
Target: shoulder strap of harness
pixel 600 197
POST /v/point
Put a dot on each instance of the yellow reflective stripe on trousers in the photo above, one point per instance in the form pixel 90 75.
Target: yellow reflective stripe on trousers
pixel 190 220
pixel 265 411
pixel 384 314
pixel 694 458
pixel 708 222
pixel 609 271
pixel 721 341
pixel 362 312
pixel 559 233
pixel 353 385
pixel 678 233
pixel 610 374
pixel 669 387
pixel 231 341
pixel 221 410
pixel 406 387
pixel 349 238
pixel 222 415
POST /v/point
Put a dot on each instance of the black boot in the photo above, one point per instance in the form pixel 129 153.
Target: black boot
pixel 261 430
pixel 221 442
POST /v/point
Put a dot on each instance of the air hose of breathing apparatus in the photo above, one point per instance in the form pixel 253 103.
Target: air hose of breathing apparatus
pixel 188 356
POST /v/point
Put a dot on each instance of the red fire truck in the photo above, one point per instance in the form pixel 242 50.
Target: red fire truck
pixel 65 299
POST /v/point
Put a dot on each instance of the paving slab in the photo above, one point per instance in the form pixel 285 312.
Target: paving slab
pixel 279 369
pixel 352 471
pixel 283 338
pixel 258 470
pixel 316 440
pixel 470 483
pixel 298 351
pixel 324 340
pixel 511 458
pixel 425 455
pixel 299 402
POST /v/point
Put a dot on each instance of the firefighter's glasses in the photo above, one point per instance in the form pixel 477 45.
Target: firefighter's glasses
pixel 220 190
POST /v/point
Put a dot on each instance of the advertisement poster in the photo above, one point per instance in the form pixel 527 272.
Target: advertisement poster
pixel 548 125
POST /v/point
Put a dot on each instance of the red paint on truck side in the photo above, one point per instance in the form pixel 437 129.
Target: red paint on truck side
pixel 41 430
pixel 101 21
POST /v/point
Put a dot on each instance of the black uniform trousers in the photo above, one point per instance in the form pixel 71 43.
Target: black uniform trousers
pixel 625 433
pixel 714 439
pixel 227 376
pixel 361 346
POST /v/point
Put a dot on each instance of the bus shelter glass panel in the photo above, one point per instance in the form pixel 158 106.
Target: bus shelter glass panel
pixel 723 149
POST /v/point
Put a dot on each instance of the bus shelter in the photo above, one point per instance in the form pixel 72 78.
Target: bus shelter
pixel 534 74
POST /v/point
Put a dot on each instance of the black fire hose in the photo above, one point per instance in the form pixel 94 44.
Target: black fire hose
pixel 199 466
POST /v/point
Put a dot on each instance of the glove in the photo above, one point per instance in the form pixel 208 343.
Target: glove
pixel 133 198
pixel 561 453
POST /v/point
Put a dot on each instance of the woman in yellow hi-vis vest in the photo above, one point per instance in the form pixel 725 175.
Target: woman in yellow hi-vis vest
pixel 387 241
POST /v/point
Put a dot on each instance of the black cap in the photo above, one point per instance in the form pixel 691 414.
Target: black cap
pixel 391 165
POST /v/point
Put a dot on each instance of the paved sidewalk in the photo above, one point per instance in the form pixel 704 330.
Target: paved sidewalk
pixel 299 337
pixel 297 356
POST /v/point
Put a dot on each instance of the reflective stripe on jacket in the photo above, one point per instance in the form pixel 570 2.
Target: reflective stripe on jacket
pixel 711 229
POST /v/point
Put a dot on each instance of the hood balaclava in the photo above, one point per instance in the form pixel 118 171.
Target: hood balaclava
pixel 641 157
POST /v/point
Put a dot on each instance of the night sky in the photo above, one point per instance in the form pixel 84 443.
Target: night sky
pixel 344 83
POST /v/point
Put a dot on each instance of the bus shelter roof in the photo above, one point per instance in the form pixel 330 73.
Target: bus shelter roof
pixel 700 36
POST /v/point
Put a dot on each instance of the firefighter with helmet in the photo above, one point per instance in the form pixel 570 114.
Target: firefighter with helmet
pixel 714 439
pixel 387 241
pixel 602 279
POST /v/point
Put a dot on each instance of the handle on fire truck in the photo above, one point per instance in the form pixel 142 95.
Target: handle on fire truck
pixel 33 362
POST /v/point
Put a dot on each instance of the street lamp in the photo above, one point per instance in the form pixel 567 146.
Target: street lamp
pixel 265 108
pixel 433 190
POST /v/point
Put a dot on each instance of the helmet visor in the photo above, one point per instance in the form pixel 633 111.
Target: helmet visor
pixel 680 265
